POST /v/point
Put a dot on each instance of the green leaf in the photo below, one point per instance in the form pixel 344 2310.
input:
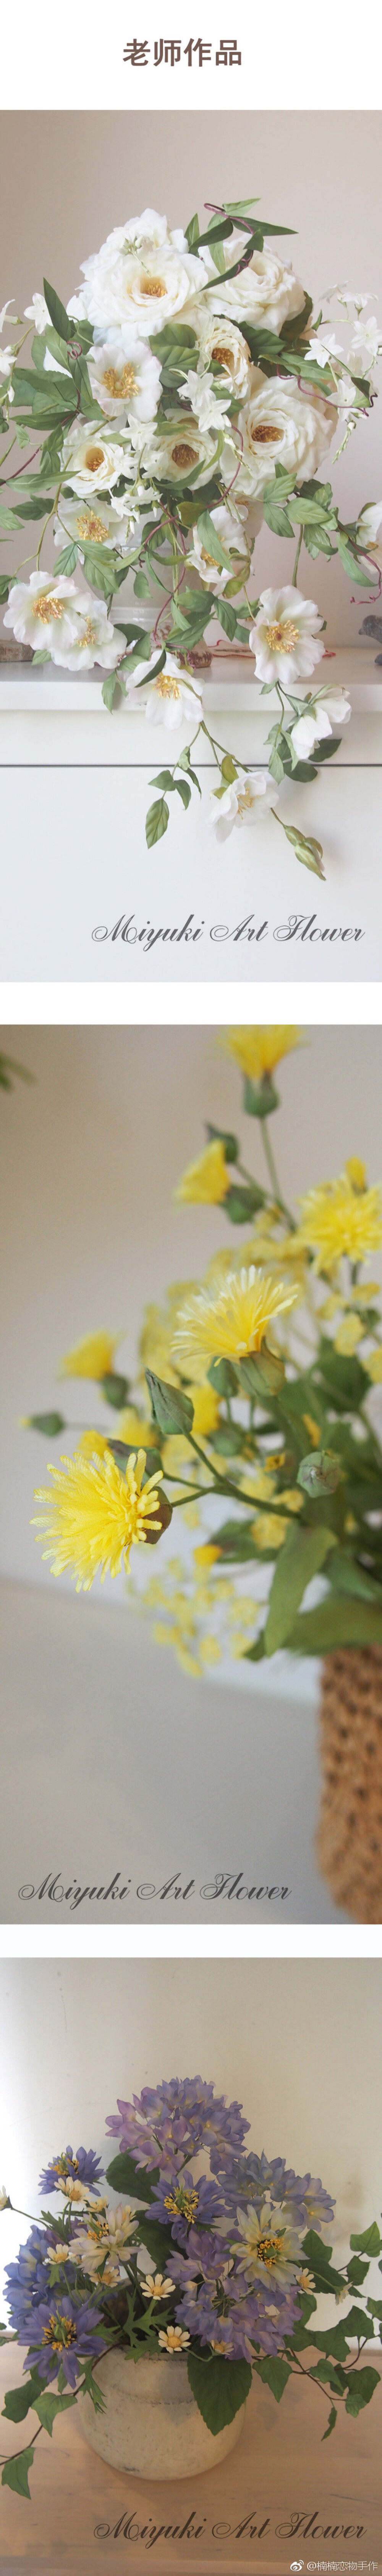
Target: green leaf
pixel 115 1388
pixel 63 322
pixel 125 2176
pixel 164 780
pixel 369 2242
pixel 356 2273
pixel 337 1621
pixel 112 690
pixel 227 618
pixel 360 2389
pixel 302 1556
pixel 332 2420
pixel 19 2400
pixel 192 231
pixel 209 539
pixel 220 2387
pixel 183 789
pixel 274 2372
pixel 141 586
pixel 375 2305
pixel 47 2407
pixel 172 1410
pixel 15 2473
pixel 319 2261
pixel 156 821
pixel 223 1376
pixel 158 2241
pixel 346 1576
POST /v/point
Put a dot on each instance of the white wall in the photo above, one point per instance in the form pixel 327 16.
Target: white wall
pixel 90 1157
pixel 295 2041
pixel 67 180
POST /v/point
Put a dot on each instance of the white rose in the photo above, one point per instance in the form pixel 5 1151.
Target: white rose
pixel 280 425
pixel 369 523
pixel 247 800
pixel 224 343
pixel 41 610
pixel 285 636
pixel 176 447
pixel 171 698
pixel 125 377
pixel 93 523
pixel 228 529
pixel 140 277
pixel 91 461
pixel 266 291
pixel 94 639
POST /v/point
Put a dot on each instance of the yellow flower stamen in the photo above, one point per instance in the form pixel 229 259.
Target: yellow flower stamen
pixel 96 1514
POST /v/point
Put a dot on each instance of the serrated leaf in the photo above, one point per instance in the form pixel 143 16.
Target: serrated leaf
pixel 125 2176
pixel 156 822
pixel 302 1555
pixel 220 2387
pixel 274 2372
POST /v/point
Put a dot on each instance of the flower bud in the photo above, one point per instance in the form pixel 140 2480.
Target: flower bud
pixel 320 1472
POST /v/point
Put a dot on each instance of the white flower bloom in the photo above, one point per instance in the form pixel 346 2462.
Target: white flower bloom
pixel 176 448
pixel 209 402
pixel 222 342
pixel 174 2339
pixel 142 274
pixel 369 523
pixel 172 698
pixel 103 523
pixel 267 2248
pixel 323 347
pixel 246 800
pixel 285 636
pixel 366 343
pixel 6 363
pixel 94 638
pixel 215 576
pixel 346 296
pixel 92 461
pixel 265 291
pixel 279 425
pixel 125 377
pixel 322 715
pixel 37 312
pixel 42 611
pixel 60 2253
pixel 154 2286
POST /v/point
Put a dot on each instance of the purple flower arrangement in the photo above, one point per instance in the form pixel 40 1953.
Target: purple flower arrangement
pixel 213 2266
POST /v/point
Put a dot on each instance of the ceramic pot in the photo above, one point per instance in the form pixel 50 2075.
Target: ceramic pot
pixel 150 2424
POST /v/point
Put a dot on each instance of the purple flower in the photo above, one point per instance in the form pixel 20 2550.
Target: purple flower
pixel 27 2278
pixel 84 2167
pixel 160 2125
pixel 64 2335
pixel 252 2179
pixel 183 2204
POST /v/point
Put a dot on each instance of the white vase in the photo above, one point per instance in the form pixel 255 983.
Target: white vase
pixel 151 2425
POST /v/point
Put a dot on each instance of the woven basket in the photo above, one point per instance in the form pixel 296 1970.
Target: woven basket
pixel 349 1838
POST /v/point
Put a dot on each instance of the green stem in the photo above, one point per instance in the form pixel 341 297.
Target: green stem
pixel 269 1157
pixel 297 559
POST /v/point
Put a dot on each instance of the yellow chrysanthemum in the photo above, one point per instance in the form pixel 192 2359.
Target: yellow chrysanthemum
pixel 130 1427
pixel 259 1050
pixel 157 1334
pixel 96 1514
pixel 338 1218
pixel 94 1357
pixel 206 1410
pixel 92 1444
pixel 231 1324
pixel 206 1182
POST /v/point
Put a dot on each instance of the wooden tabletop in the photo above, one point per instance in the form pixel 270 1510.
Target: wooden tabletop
pixel 281 2499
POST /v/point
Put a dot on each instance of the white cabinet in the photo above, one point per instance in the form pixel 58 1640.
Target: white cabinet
pixel 83 897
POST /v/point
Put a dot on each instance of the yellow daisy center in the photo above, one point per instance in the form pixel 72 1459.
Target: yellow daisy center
pixel 282 635
pixel 167 686
pixel 94 529
pixel 47 607
pixel 120 382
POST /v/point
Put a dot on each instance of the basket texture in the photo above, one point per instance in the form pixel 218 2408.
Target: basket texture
pixel 349 1838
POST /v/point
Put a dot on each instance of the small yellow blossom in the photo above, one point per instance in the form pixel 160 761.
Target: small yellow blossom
pixel 374 1367
pixel 157 1334
pixel 96 1514
pixel 92 1444
pixel 206 1556
pixel 94 1357
pixel 350 1331
pixel 337 1219
pixel 313 1430
pixel 232 1324
pixel 206 1182
pixel 356 1173
pixel 267 1531
pixel 259 1050
pixel 175 2339
pixel 206 1410
pixel 154 2286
